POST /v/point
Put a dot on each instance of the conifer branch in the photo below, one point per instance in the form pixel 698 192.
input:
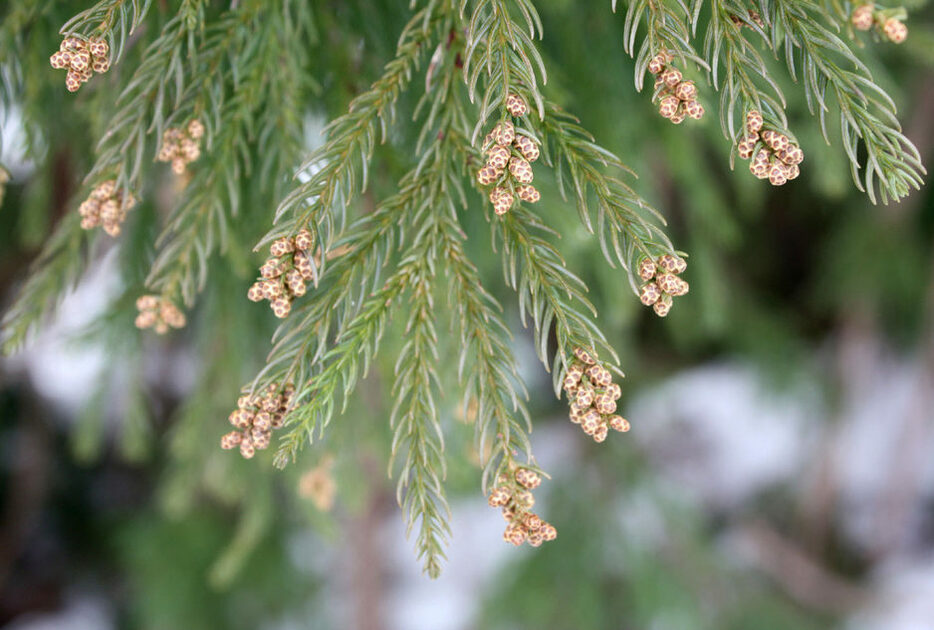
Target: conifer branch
pixel 738 70
pixel 121 155
pixel 500 49
pixel 301 355
pixel 340 367
pixel 154 90
pixel 263 104
pixel 547 290
pixel 533 268
pixel 353 299
pixel 418 440
pixel 339 371
pixel 486 365
pixel 116 20
pixel 55 271
pixel 341 301
pixel 893 165
pixel 340 297
pixel 417 434
pixel 668 29
pixel 301 340
pixel 342 163
pixel 628 227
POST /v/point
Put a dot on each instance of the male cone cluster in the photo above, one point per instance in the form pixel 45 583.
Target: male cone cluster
pixel 865 16
pixel 774 156
pixel 509 156
pixel 82 59
pixel 662 283
pixel 284 273
pixel 592 395
pixel 106 207
pixel 181 146
pixel 676 97
pixel 255 418
pixel 513 493
pixel 158 313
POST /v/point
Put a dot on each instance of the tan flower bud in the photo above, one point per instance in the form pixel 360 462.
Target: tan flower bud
pixel 686 91
pixel 488 175
pixel 618 423
pixel 753 122
pixel 504 133
pixel 521 170
pixel 895 30
pixel 497 157
pixel 646 269
pixel 528 193
pixel 671 77
pixel 527 147
pixel 649 293
pixel 663 306
pixel 671 263
pixel 583 356
pixel 516 106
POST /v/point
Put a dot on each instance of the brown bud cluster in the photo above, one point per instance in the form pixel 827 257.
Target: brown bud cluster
pixel 676 97
pixel 662 282
pixel 509 156
pixel 774 156
pixel 592 396
pixel 865 16
pixel 513 493
pixel 181 146
pixel 82 58
pixel 106 207
pixel 285 273
pixel 158 313
pixel 255 419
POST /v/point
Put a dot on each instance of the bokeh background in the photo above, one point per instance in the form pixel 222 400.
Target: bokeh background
pixel 780 469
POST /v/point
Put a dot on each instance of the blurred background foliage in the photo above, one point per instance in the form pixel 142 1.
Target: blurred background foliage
pixel 113 488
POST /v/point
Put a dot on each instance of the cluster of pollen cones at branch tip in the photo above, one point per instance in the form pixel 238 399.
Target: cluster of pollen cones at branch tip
pixel 106 206
pixel 509 155
pixel 82 58
pixel 256 417
pixel 158 313
pixel 676 97
pixel 774 156
pixel 513 493
pixel 865 16
pixel 662 282
pixel 285 273
pixel 592 396
pixel 181 146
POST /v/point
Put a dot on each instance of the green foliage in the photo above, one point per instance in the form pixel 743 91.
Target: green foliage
pixel 892 165
pixel 397 230
pixel 739 71
pixel 335 180
pixel 242 102
pixel 499 48
pixel 667 28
